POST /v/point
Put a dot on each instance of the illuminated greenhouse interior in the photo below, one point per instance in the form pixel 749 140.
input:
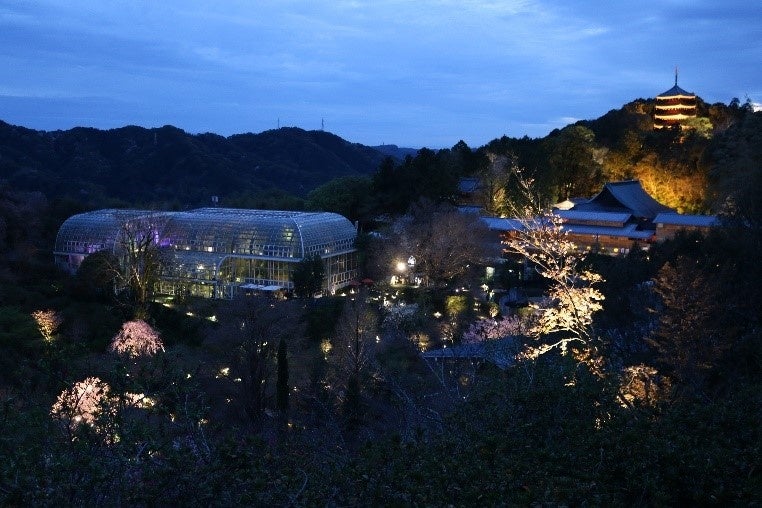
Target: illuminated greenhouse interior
pixel 216 252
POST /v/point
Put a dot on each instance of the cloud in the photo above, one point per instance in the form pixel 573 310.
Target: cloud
pixel 428 72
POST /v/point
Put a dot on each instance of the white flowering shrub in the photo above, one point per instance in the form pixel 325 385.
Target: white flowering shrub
pixel 91 404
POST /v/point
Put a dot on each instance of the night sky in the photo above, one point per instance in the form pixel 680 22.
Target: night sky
pixel 413 73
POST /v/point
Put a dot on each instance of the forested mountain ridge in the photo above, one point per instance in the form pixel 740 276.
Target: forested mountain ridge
pixel 693 170
pixel 169 167
pixel 688 169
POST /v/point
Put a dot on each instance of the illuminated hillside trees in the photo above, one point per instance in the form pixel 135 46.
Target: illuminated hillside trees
pixel 494 180
pixel 48 322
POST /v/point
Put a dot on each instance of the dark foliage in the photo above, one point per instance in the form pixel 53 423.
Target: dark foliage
pixel 166 167
pixel 308 276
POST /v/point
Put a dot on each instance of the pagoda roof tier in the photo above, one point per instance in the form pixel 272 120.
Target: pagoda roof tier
pixel 676 91
pixel 675 107
pixel 676 116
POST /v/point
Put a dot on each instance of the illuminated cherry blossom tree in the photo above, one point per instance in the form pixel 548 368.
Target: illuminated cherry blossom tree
pixel 565 317
pixel 491 329
pixel 48 322
pixel 91 403
pixel 84 404
pixel 136 339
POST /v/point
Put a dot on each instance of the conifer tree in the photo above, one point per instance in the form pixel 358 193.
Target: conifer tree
pixel 282 383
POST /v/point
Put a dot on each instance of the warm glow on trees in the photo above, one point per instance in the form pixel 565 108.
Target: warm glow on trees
pixel 48 322
pixel 136 338
pixel 494 180
pixel 642 385
pixel 685 192
pixel 565 317
pixel 83 404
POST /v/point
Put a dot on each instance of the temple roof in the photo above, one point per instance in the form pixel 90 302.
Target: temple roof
pixel 675 91
pixel 675 219
pixel 624 197
pixel 576 215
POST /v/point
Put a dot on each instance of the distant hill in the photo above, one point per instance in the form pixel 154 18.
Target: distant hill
pixel 169 167
pixel 396 152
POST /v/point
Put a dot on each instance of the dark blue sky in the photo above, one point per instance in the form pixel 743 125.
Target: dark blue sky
pixel 413 72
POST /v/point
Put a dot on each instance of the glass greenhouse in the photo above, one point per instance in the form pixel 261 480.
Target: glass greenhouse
pixel 216 252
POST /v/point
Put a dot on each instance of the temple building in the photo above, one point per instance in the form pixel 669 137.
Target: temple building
pixel 673 107
pixel 621 216
pixel 216 252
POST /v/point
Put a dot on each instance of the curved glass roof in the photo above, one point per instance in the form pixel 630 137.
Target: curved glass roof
pixel 257 233
pixel 90 232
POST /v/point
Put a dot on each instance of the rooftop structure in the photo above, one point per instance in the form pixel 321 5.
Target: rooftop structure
pixel 621 215
pixel 627 196
pixel 216 252
pixel 673 107
pixel 667 224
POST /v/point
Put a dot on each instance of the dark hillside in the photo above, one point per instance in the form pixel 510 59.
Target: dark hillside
pixel 169 167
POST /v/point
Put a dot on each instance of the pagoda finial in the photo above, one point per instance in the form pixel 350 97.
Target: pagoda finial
pixel 675 75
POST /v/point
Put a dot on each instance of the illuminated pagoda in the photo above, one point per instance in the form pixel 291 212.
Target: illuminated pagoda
pixel 673 107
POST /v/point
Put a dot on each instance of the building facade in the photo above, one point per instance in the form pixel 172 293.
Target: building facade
pixel 216 252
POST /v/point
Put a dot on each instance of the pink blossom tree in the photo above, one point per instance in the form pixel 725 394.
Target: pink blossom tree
pixel 491 329
pixel 85 403
pixel 136 339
